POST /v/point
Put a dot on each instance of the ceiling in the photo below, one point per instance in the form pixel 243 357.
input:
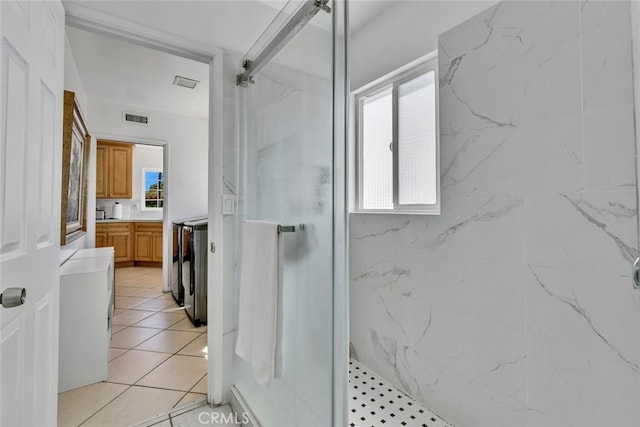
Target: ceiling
pixel 124 73
pixel 119 72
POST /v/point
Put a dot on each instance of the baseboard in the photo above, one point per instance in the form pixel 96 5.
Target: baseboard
pixel 138 264
pixel 148 264
pixel 124 264
pixel 242 410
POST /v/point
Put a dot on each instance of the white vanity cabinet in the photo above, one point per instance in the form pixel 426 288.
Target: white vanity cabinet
pixel 86 308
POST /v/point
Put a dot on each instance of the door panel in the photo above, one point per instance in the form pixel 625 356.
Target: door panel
pixel 44 357
pixel 122 245
pixel 120 166
pixel 101 239
pixel 13 151
pixel 11 363
pixel 31 74
pixel 144 242
pixel 157 247
pixel 48 40
pixel 46 144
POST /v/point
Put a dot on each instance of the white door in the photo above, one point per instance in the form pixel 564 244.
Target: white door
pixel 31 78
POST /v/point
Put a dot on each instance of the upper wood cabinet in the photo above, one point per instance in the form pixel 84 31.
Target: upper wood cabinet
pixel 114 170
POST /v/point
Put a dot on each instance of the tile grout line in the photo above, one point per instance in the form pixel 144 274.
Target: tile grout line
pixel 174 354
pixel 147 339
pixel 121 354
pixel 163 362
pixel 160 352
pixel 157 388
pixel 194 386
pixel 165 329
pixel 107 404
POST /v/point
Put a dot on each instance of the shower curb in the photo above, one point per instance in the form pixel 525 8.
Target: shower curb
pixel 240 407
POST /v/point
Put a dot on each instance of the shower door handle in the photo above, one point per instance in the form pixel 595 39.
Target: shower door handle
pixel 635 274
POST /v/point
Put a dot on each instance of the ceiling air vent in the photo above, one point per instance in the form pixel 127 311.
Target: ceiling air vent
pixel 136 118
pixel 185 82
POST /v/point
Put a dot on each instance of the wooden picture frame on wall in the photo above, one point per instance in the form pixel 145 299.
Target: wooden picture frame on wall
pixel 75 165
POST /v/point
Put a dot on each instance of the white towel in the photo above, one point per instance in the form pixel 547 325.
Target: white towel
pixel 260 309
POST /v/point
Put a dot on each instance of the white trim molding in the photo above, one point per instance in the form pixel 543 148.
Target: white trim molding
pixel 98 22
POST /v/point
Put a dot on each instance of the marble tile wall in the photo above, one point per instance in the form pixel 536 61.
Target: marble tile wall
pixel 514 307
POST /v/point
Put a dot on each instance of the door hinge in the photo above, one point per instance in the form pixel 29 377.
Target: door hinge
pixel 212 248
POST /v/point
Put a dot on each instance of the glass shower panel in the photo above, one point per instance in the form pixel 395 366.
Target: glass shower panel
pixel 287 178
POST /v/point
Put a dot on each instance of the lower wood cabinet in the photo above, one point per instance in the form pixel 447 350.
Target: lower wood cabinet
pixel 119 235
pixel 101 237
pixel 135 243
pixel 148 241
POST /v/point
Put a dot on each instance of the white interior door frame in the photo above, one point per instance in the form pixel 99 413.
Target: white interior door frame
pixel 91 20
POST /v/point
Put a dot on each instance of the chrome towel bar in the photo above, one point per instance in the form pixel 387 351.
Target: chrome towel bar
pixel 289 228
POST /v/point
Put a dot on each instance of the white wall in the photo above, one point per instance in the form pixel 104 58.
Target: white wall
pixel 402 33
pixel 72 82
pixel 91 191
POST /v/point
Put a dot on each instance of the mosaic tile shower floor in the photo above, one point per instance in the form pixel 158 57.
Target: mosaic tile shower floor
pixel 374 402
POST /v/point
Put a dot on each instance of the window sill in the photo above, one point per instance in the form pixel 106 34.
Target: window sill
pixel 395 212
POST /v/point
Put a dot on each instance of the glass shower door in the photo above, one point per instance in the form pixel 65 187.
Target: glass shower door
pixel 287 177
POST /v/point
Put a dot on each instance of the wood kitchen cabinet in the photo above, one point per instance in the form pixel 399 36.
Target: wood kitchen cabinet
pixel 135 243
pixel 101 171
pixel 114 170
pixel 120 236
pixel 148 243
pixel 101 237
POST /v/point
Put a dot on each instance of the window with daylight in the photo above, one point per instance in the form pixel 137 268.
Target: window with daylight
pixel 153 190
pixel 397 143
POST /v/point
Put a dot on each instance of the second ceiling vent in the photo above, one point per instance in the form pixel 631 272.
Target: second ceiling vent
pixel 185 82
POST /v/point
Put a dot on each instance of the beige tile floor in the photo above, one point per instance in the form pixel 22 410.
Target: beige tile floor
pixel 157 359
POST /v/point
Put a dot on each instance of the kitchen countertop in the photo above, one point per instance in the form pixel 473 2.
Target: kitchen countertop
pixel 99 221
